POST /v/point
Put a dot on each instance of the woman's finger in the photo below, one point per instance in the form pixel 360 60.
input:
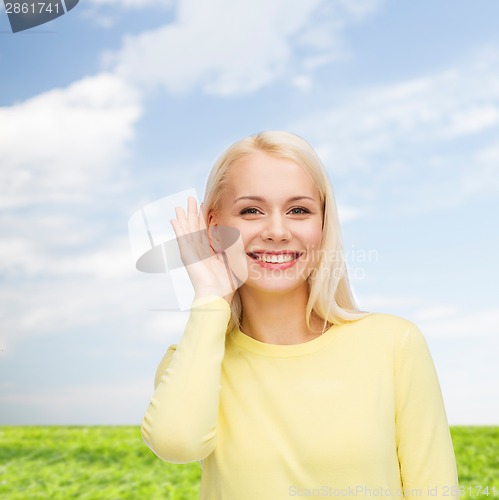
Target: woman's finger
pixel 173 222
pixel 192 214
pixel 182 220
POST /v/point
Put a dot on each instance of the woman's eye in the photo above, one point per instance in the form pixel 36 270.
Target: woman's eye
pixel 250 211
pixel 294 211
pixel 301 210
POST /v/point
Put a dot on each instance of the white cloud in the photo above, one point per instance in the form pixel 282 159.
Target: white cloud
pixel 227 47
pixel 62 153
pixel 378 120
pixel 483 179
pixel 406 139
pixel 471 324
pixel 53 305
pixel 472 120
pixel 33 257
pixel 349 213
pixel 63 144
pixel 435 313
pixel 439 321
pixel 302 82
pixel 444 320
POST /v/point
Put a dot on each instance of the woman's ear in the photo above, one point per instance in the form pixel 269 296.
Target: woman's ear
pixel 212 230
pixel 211 220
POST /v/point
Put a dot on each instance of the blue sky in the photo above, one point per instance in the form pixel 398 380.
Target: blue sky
pixel 122 102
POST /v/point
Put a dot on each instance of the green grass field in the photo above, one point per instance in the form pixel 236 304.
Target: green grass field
pixel 113 463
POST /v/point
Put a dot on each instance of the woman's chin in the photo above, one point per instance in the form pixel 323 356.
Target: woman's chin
pixel 277 286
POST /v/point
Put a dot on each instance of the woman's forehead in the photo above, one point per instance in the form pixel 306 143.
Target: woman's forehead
pixel 262 175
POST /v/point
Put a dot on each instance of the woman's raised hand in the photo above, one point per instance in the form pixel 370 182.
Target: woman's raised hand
pixel 210 272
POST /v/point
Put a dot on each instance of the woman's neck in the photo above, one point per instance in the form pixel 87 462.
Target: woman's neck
pixel 278 318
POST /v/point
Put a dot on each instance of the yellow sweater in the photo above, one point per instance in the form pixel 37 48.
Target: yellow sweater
pixel 356 412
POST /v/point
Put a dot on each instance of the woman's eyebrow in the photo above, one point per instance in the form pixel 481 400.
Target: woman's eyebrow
pixel 259 198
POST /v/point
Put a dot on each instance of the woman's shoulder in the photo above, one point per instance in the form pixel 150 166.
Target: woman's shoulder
pixel 383 325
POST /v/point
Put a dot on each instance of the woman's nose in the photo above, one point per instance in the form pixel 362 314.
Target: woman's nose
pixel 276 229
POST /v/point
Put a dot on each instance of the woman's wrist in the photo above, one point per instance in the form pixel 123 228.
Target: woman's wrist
pixel 203 294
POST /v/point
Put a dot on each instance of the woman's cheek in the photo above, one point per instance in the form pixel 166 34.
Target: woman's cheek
pixel 314 236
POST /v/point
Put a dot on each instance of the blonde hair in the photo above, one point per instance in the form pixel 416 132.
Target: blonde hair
pixel 330 295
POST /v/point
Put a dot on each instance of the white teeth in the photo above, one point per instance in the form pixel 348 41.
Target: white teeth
pixel 276 259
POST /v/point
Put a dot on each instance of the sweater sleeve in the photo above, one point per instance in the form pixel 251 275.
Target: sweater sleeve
pixel 424 444
pixel 180 423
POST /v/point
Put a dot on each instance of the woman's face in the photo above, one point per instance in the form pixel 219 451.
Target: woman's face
pixel 275 205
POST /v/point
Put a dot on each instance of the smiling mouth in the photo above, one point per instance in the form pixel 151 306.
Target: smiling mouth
pixel 274 258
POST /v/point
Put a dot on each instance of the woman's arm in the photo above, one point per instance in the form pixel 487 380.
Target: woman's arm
pixel 424 443
pixel 180 423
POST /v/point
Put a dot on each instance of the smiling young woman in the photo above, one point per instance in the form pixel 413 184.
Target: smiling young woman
pixel 277 208
pixel 280 386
